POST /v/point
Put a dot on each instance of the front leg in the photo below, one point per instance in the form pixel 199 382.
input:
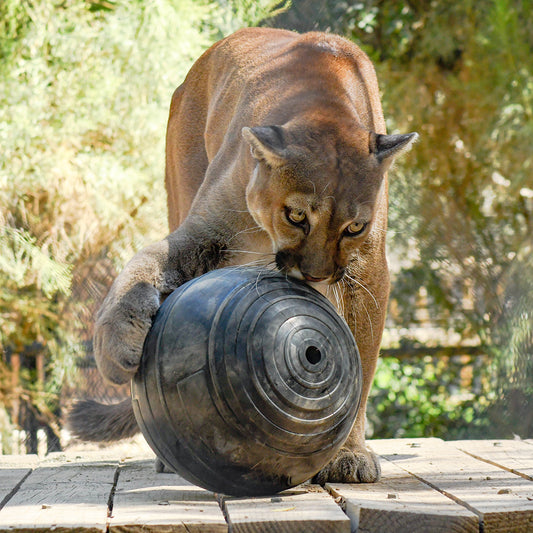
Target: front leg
pixel 126 314
pixel 365 305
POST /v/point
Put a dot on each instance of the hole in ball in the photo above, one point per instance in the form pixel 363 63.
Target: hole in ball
pixel 313 355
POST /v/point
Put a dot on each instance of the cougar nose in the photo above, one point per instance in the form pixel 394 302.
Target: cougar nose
pixel 311 278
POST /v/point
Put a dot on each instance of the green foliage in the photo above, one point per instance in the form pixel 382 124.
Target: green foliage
pixel 84 98
pixel 461 74
pixel 24 263
pixel 451 398
pixel 240 13
pixel 14 19
pixel 470 209
pixel 462 202
pixel 425 397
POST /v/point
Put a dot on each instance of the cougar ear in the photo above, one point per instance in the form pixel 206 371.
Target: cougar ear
pixel 388 146
pixel 267 144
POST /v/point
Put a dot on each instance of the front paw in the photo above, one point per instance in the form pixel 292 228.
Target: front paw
pixel 119 334
pixel 358 466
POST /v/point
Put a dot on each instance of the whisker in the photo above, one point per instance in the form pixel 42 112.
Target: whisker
pixel 267 266
pixel 369 321
pixel 357 198
pixel 253 229
pixel 334 296
pixel 357 282
pixel 264 262
pixel 328 184
pixel 235 251
pixel 338 297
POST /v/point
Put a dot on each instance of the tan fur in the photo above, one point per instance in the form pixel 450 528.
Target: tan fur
pixel 270 125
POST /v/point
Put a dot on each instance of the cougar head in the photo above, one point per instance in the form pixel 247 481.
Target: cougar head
pixel 315 190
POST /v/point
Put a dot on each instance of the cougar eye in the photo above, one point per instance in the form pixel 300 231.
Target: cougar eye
pixel 355 228
pixel 295 216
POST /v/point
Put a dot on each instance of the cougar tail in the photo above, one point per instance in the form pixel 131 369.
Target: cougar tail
pixel 98 422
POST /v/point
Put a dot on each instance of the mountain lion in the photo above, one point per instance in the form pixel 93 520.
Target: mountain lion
pixel 276 155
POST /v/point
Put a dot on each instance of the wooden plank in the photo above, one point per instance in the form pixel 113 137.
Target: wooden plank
pixel 147 501
pixel 306 508
pixel 14 469
pixel 513 455
pixel 61 496
pixel 502 500
pixel 133 448
pixel 10 482
pixel 400 502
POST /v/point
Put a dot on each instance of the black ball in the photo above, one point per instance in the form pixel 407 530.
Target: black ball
pixel 249 382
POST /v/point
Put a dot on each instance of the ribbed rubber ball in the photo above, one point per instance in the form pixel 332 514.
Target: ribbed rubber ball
pixel 249 382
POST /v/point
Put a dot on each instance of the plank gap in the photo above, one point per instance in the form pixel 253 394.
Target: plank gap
pixel 502 499
pixel 306 507
pixel 110 500
pixel 445 493
pixel 351 511
pixel 222 504
pixel 401 502
pixel 146 501
pixel 498 465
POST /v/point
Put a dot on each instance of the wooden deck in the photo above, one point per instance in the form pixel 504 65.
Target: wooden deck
pixel 428 485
